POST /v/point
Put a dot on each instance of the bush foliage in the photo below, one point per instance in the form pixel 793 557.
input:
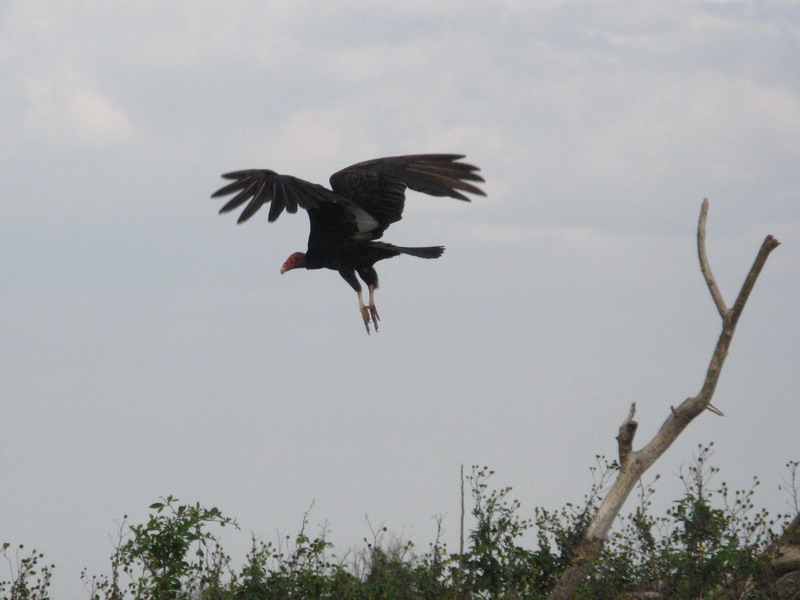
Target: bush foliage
pixel 710 543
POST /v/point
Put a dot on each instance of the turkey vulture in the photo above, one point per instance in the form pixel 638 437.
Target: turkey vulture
pixel 363 201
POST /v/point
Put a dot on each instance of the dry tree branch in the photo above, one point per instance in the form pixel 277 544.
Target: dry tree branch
pixel 633 464
pixel 716 295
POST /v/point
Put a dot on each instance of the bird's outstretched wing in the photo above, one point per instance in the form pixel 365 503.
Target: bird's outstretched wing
pixel 366 197
pixel 333 218
pixel 259 186
pixel 378 186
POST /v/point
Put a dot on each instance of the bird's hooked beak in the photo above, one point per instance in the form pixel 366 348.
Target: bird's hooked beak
pixel 295 261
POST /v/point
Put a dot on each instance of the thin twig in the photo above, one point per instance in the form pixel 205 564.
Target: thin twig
pixel 461 525
pixel 459 577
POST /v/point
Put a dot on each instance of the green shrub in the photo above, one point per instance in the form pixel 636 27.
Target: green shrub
pixel 711 543
pixel 30 580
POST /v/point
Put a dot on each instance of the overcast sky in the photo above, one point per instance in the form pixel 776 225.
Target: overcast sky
pixel 150 346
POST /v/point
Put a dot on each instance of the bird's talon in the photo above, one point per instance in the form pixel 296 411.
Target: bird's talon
pixel 365 314
pixel 375 316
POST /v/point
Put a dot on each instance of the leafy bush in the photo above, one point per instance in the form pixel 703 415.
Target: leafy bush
pixel 171 556
pixel 29 580
pixel 710 543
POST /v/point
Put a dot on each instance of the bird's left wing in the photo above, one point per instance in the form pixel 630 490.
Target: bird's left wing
pixel 378 186
pixel 260 186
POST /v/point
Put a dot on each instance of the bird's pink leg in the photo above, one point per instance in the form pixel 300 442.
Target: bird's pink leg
pixel 372 309
pixel 365 312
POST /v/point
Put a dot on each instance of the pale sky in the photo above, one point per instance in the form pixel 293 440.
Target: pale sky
pixel 151 347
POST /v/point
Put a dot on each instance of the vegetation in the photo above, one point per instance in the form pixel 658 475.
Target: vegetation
pixel 711 543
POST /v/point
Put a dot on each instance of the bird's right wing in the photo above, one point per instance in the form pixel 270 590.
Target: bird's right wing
pixel 257 187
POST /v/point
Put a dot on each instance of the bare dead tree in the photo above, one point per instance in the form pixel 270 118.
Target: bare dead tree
pixel 633 464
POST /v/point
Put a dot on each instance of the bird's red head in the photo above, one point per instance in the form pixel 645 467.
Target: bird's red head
pixel 295 261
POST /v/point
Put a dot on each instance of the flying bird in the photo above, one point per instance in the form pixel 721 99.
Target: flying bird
pixel 347 219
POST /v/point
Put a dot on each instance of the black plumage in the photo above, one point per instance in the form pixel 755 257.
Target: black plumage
pixel 348 219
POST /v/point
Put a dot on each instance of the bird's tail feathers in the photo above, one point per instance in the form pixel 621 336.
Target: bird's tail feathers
pixel 422 251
